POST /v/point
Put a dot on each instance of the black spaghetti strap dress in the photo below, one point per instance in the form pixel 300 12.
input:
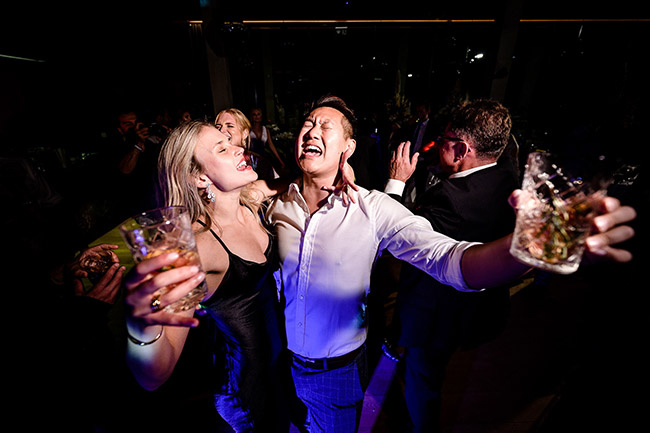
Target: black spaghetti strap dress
pixel 244 307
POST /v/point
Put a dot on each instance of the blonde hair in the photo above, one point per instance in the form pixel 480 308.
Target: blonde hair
pixel 243 124
pixel 178 170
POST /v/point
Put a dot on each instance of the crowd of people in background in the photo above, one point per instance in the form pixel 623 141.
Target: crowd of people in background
pixel 427 155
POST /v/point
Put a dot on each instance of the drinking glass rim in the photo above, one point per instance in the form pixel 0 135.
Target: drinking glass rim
pixel 124 226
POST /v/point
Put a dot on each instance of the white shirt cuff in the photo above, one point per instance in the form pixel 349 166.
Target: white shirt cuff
pixel 394 186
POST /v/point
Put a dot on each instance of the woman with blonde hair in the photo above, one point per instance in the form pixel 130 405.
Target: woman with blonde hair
pixel 237 127
pixel 201 170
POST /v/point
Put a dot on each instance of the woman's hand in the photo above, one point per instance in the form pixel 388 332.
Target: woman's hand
pixel 108 286
pixel 75 268
pixel 144 284
pixel 345 180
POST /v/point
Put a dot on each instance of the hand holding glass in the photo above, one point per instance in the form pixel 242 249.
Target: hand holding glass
pixel 555 217
pixel 161 231
pixel 95 262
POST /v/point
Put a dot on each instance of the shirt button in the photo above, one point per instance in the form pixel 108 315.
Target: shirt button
pixel 302 297
pixel 299 323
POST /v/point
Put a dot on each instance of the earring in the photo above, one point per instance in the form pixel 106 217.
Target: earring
pixel 209 192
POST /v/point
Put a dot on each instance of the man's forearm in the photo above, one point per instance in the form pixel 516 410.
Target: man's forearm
pixel 129 161
pixel 491 264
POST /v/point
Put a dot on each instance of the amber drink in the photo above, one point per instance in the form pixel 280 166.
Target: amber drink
pixel 160 231
pixel 554 217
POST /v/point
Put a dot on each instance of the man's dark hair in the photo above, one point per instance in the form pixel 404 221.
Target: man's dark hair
pixel 338 104
pixel 486 122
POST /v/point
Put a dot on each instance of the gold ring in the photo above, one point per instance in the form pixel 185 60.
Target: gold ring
pixel 155 303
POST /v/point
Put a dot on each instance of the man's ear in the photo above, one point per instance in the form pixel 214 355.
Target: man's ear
pixel 461 149
pixel 352 146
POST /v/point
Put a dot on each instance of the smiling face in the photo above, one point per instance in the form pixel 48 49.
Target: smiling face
pixel 321 142
pixel 223 163
pixel 228 124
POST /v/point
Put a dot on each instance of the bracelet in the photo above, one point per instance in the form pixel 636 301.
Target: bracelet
pixel 146 343
pixel 138 147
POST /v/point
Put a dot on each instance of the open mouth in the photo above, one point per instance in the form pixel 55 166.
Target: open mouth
pixel 243 165
pixel 312 151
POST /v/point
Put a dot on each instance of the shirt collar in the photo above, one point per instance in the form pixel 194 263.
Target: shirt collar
pixel 294 193
pixel 294 188
pixel 471 170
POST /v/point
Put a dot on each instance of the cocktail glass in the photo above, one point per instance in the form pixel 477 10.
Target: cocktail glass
pixel 165 230
pixel 96 263
pixel 554 216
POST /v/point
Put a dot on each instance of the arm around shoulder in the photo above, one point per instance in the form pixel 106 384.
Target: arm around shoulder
pixel 266 189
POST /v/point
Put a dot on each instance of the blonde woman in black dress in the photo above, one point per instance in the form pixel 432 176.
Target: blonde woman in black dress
pixel 201 170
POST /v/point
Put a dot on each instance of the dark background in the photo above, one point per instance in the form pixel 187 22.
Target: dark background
pixel 577 84
pixel 576 80
pixel 94 56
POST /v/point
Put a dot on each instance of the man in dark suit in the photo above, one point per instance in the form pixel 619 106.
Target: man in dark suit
pixel 470 204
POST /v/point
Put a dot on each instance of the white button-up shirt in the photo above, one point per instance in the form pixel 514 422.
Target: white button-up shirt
pixel 326 260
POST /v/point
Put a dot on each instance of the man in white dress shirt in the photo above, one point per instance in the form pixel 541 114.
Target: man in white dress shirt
pixel 327 250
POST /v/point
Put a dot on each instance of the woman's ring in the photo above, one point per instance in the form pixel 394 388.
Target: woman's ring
pixel 155 303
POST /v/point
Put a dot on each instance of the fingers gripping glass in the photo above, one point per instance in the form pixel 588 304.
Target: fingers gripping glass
pixel 160 231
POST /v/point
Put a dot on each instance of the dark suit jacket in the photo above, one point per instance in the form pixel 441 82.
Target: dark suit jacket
pixel 471 208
